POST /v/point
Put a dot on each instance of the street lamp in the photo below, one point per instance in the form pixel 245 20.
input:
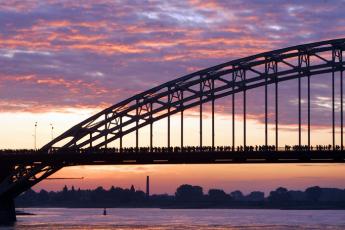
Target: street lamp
pixel 52 132
pixel 35 135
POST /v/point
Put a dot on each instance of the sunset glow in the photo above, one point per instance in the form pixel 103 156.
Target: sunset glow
pixel 63 61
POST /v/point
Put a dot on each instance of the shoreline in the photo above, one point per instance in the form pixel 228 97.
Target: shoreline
pixel 18 212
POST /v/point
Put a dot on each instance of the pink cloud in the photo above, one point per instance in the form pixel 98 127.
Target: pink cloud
pixel 105 52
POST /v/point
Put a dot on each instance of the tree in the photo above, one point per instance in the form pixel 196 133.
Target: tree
pixel 279 196
pixel 43 196
pixel 313 193
pixel 255 196
pixel 188 192
pixel 217 195
pixel 65 189
pixel 237 195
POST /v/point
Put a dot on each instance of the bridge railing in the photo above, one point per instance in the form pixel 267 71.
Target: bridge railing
pixel 186 149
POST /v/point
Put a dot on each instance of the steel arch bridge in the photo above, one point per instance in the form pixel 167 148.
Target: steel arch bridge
pixel 87 142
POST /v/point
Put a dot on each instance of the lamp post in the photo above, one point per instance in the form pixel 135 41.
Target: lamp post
pixel 35 135
pixel 52 131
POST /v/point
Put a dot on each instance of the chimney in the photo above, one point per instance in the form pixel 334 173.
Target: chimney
pixel 147 186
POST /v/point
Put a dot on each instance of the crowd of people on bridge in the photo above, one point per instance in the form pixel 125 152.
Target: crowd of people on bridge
pixel 312 148
pixel 20 151
pixel 189 149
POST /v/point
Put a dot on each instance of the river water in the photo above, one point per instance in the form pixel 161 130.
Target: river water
pixel 157 219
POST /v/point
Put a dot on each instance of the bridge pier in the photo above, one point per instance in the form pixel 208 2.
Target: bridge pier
pixel 7 211
pixel 7 206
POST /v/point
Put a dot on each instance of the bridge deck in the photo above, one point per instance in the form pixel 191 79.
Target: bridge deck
pixel 209 157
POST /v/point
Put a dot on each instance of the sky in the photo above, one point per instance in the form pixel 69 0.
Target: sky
pixel 62 61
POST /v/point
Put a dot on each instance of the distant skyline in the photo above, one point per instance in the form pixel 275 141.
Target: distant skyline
pixel 63 61
pixel 185 196
pixel 166 178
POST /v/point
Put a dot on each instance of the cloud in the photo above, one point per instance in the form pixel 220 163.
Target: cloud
pixel 60 54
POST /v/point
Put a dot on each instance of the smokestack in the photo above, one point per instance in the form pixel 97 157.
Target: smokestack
pixel 147 186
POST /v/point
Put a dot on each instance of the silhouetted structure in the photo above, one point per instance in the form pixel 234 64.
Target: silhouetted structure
pixel 186 196
pixel 93 135
pixel 147 186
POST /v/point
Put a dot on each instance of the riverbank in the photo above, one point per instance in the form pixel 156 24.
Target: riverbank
pixel 194 206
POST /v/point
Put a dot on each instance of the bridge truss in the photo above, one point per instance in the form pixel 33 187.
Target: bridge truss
pixel 193 90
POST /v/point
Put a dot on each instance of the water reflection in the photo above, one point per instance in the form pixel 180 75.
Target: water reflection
pixel 63 218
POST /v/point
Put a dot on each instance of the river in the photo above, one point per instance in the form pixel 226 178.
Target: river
pixel 157 219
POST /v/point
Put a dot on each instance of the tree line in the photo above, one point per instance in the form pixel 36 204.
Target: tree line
pixel 186 196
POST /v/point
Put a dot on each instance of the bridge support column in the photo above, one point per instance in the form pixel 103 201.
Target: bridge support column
pixel 7 211
pixel 7 207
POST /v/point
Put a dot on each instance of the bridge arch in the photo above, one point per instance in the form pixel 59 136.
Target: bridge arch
pixel 176 96
pixel 204 86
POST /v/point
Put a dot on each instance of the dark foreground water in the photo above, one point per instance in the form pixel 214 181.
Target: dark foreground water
pixel 64 218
